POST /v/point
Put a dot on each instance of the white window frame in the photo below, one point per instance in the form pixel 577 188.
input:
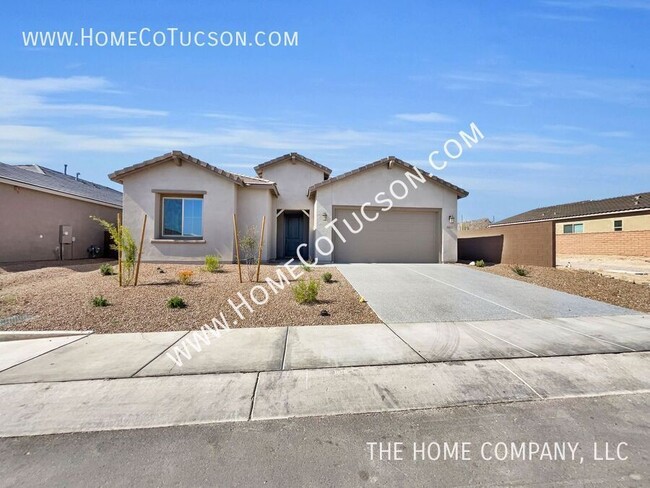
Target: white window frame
pixel 620 229
pixel 162 222
pixel 573 228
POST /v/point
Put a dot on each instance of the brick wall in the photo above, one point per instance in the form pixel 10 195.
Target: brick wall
pixel 532 244
pixel 625 243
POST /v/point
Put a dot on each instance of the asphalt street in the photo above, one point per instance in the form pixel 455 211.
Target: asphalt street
pixel 335 451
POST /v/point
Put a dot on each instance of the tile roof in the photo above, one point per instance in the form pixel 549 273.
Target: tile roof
pixel 41 177
pixel 459 191
pixel 294 156
pixel 238 179
pixel 627 203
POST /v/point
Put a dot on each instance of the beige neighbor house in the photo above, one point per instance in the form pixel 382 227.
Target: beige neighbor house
pixel 618 226
pixel 45 214
pixel 406 214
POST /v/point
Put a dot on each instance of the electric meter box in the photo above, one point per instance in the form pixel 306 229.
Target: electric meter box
pixel 65 234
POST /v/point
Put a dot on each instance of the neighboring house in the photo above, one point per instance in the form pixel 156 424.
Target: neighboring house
pixel 45 214
pixel 191 204
pixel 612 226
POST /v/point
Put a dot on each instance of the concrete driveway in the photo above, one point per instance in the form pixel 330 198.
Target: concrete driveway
pixel 401 293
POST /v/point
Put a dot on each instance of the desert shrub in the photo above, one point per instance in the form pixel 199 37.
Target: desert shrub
pixel 212 263
pixel 520 270
pixel 99 301
pixel 122 241
pixel 185 276
pixel 176 302
pixel 327 277
pixel 306 291
pixel 480 263
pixel 106 269
pixel 248 251
pixel 307 267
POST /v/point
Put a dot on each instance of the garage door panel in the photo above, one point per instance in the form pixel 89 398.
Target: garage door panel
pixel 397 236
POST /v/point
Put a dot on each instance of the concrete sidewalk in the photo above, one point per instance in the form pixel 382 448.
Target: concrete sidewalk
pixel 124 381
pixel 111 356
pixel 133 403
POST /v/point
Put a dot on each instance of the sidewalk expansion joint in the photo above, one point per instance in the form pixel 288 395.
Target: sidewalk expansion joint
pixel 161 353
pixel 520 379
pixel 253 396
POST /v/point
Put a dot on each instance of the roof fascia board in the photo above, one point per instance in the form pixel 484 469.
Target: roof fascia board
pixel 21 184
pixel 573 217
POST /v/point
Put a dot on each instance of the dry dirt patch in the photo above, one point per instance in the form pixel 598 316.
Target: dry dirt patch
pixel 582 283
pixel 628 268
pixel 60 298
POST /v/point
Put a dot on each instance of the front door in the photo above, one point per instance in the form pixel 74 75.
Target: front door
pixel 292 234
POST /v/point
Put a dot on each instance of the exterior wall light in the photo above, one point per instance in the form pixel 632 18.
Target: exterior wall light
pixel 452 219
pixel 324 215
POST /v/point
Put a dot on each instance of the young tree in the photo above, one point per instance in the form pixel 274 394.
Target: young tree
pixel 248 243
pixel 123 243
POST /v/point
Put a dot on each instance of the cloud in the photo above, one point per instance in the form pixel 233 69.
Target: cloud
pixel 557 85
pixel 26 139
pixel 531 143
pixel 618 134
pixel 35 98
pixel 433 117
pixel 231 117
pixel 561 17
pixel 508 103
pixel 524 165
pixel 593 4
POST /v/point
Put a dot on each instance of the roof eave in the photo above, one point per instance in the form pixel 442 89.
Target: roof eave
pixel 460 192
pixel 118 176
pixel 571 217
pixel 31 186
pixel 292 156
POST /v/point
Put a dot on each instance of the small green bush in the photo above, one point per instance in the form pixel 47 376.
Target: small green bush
pixel 100 301
pixel 307 267
pixel 212 263
pixel 306 291
pixel 176 302
pixel 480 263
pixel 327 277
pixel 106 269
pixel 520 270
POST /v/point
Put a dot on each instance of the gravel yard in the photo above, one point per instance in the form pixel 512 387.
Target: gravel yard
pixel 583 283
pixel 633 269
pixel 59 298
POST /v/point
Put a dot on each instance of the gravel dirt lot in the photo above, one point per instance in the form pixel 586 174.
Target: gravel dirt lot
pixel 59 298
pixel 583 283
pixel 633 269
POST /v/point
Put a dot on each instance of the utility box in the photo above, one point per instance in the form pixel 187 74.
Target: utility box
pixel 65 234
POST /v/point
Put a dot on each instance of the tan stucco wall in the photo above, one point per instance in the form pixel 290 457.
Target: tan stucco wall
pixel 293 179
pixel 606 224
pixel 26 215
pixel 363 187
pixel 252 205
pixel 219 204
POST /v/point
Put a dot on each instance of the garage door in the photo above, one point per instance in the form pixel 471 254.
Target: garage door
pixel 397 236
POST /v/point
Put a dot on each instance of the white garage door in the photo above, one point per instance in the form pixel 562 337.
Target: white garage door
pixel 397 236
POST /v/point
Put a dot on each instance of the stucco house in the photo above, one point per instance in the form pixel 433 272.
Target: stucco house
pixel 45 213
pixel 386 211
